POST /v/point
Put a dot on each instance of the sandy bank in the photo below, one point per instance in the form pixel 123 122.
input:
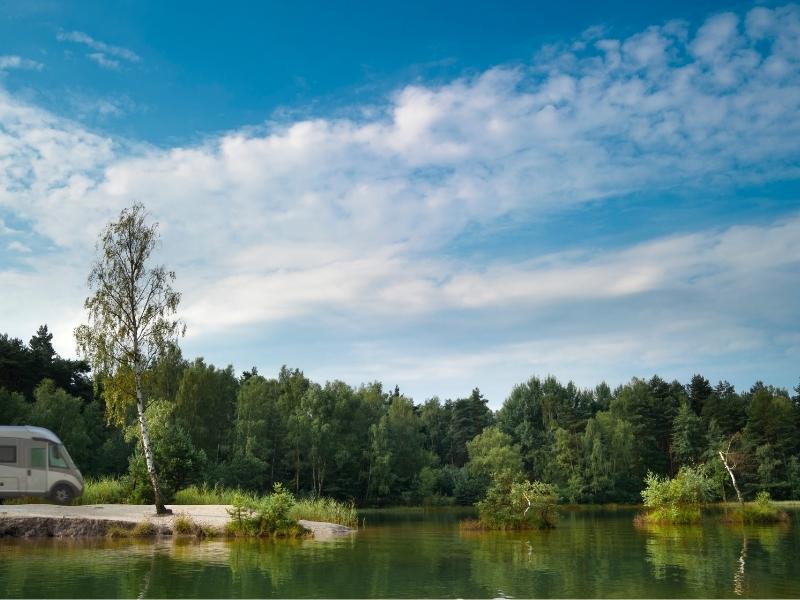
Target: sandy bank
pixel 49 520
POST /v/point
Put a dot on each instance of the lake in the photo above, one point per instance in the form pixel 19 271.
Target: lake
pixel 415 553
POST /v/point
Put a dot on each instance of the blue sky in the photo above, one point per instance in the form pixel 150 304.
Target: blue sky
pixel 436 195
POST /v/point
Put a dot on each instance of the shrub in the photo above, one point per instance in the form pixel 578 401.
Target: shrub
pixel 266 516
pixel 513 504
pixel 677 500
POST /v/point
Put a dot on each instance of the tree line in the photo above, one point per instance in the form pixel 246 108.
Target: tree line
pixel 378 447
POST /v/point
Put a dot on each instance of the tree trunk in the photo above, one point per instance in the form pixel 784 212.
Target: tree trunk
pixel 733 479
pixel 148 450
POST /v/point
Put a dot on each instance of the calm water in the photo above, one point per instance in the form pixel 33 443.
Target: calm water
pixel 592 553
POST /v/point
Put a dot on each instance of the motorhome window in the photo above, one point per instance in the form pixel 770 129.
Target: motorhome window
pixel 8 454
pixel 56 459
pixel 38 458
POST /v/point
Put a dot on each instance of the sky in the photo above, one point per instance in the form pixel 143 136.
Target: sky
pixel 438 196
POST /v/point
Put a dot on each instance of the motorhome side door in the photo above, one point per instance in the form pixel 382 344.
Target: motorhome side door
pixel 12 461
pixel 36 456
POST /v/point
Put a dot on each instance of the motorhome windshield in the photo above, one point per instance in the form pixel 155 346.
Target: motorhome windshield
pixel 59 457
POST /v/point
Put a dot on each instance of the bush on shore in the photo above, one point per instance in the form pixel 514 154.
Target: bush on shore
pixel 268 516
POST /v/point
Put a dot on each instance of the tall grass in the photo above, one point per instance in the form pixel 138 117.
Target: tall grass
pixel 326 509
pixel 111 490
pixel 105 490
pixel 761 511
pixel 202 494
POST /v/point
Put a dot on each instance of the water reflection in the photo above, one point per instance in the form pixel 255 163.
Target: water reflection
pixel 738 578
pixel 591 553
pixel 713 558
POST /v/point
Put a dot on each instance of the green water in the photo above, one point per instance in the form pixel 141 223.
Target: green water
pixel 423 554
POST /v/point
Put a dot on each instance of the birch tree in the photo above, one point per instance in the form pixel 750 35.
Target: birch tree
pixel 131 320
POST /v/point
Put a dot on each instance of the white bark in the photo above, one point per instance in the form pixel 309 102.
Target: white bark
pixel 148 449
pixel 724 460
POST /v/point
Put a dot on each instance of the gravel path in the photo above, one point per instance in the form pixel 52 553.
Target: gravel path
pixel 215 515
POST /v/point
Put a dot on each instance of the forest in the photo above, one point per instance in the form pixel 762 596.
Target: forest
pixel 213 427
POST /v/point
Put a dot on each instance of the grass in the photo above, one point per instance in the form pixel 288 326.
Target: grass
pixel 115 532
pixel 314 509
pixel 185 525
pixel 143 529
pixel 27 500
pixel 105 490
pixel 202 494
pixel 325 509
pixel 762 511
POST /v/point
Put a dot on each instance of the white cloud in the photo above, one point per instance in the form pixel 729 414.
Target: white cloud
pixel 346 218
pixel 17 246
pixel 105 62
pixel 105 55
pixel 12 61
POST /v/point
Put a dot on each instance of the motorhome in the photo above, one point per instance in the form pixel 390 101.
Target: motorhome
pixel 34 462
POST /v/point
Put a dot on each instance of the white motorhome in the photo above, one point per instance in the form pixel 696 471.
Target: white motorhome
pixel 34 462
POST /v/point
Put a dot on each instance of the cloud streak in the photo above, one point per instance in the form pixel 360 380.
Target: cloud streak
pixel 12 61
pixel 349 221
pixel 106 55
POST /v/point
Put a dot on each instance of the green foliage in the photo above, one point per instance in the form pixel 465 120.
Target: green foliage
pixel 178 462
pixel 687 435
pixel 677 500
pixel 13 408
pixel 537 501
pixel 492 453
pixel 325 509
pixel 205 405
pixel 56 410
pixel 23 367
pixel 264 517
pixel 761 511
pixel 184 525
pixel 376 447
pixel 143 529
pixel 203 494
pixel 131 321
pixel 513 504
pixel 106 490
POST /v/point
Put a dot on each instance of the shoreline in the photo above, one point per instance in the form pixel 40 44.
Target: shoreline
pixel 96 520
